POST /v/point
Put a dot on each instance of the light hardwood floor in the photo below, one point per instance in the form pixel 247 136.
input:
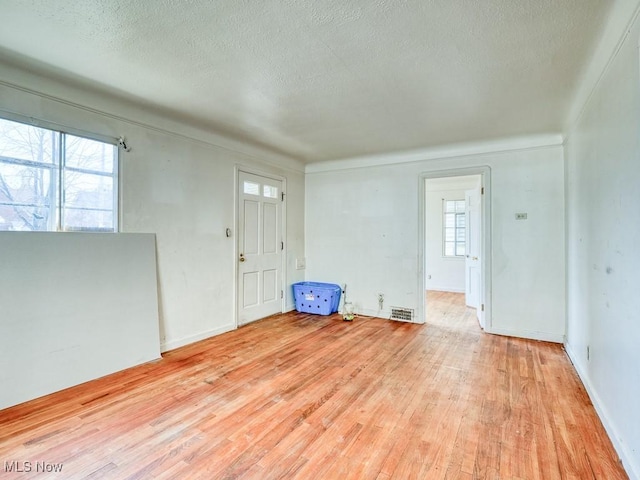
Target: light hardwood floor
pixel 311 397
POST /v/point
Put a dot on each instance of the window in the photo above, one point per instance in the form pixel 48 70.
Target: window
pixel 454 223
pixel 270 191
pixel 54 181
pixel 251 188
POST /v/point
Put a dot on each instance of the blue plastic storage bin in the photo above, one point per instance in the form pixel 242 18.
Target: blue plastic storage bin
pixel 316 297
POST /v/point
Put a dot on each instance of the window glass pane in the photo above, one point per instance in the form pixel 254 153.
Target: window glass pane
pixel 24 142
pixel 449 235
pixel 449 249
pixel 88 154
pixel 251 188
pixel 449 206
pixel 454 224
pixel 31 196
pixel 26 196
pixel 88 202
pixel 449 220
pixel 270 192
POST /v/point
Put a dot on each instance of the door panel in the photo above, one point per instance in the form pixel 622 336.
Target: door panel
pixel 473 263
pixel 270 222
pixel 270 282
pixel 251 237
pixel 259 247
pixel 250 290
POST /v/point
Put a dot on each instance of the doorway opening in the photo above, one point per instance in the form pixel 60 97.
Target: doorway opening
pixel 455 245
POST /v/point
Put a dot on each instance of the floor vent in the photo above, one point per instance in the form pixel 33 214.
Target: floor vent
pixel 403 314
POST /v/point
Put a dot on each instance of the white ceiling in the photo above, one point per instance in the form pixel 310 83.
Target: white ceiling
pixel 323 79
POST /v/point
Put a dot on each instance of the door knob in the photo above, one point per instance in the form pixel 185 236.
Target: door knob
pixel 241 257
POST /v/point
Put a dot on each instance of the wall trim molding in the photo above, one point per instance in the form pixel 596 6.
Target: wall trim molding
pixel 181 342
pixel 438 153
pixel 190 133
pixel 529 334
pixel 626 458
pixel 621 19
pixel 484 171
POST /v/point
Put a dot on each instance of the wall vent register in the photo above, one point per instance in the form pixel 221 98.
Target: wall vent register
pixel 402 314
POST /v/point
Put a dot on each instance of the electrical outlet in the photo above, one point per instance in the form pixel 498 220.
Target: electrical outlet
pixel 521 216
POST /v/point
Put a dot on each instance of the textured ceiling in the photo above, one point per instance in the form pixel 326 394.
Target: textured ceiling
pixel 325 79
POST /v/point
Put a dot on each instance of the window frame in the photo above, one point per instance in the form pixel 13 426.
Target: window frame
pixel 58 166
pixel 456 229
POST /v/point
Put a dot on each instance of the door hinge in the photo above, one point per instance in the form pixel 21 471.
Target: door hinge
pixel 281 245
pixel 282 196
pixel 482 191
pixel 281 294
pixel 482 307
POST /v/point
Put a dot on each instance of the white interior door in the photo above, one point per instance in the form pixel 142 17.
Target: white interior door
pixel 260 247
pixel 473 264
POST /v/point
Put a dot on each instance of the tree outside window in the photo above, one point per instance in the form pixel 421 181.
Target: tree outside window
pixel 54 181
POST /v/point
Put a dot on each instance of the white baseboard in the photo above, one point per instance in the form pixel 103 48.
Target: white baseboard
pixel 384 314
pixel 632 469
pixel 289 308
pixel 367 312
pixel 181 342
pixel 532 335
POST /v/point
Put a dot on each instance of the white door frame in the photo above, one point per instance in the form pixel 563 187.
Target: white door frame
pixel 485 288
pixel 236 223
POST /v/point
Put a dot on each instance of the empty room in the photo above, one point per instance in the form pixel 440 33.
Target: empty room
pixel 297 239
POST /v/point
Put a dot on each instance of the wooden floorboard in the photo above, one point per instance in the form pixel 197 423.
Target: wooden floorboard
pixel 309 397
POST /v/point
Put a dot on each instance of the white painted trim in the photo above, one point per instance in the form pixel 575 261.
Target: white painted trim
pixel 621 19
pixel 421 301
pixel 370 312
pixel 283 232
pixel 486 296
pixel 436 153
pixel 181 342
pixel 57 127
pixel 529 334
pixel 384 315
pixel 627 459
pixel 206 138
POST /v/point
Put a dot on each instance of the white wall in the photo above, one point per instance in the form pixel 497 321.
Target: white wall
pixel 74 307
pixel 177 182
pixel 442 273
pixel 362 230
pixel 603 239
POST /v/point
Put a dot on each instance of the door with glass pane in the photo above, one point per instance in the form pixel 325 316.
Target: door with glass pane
pixel 260 246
